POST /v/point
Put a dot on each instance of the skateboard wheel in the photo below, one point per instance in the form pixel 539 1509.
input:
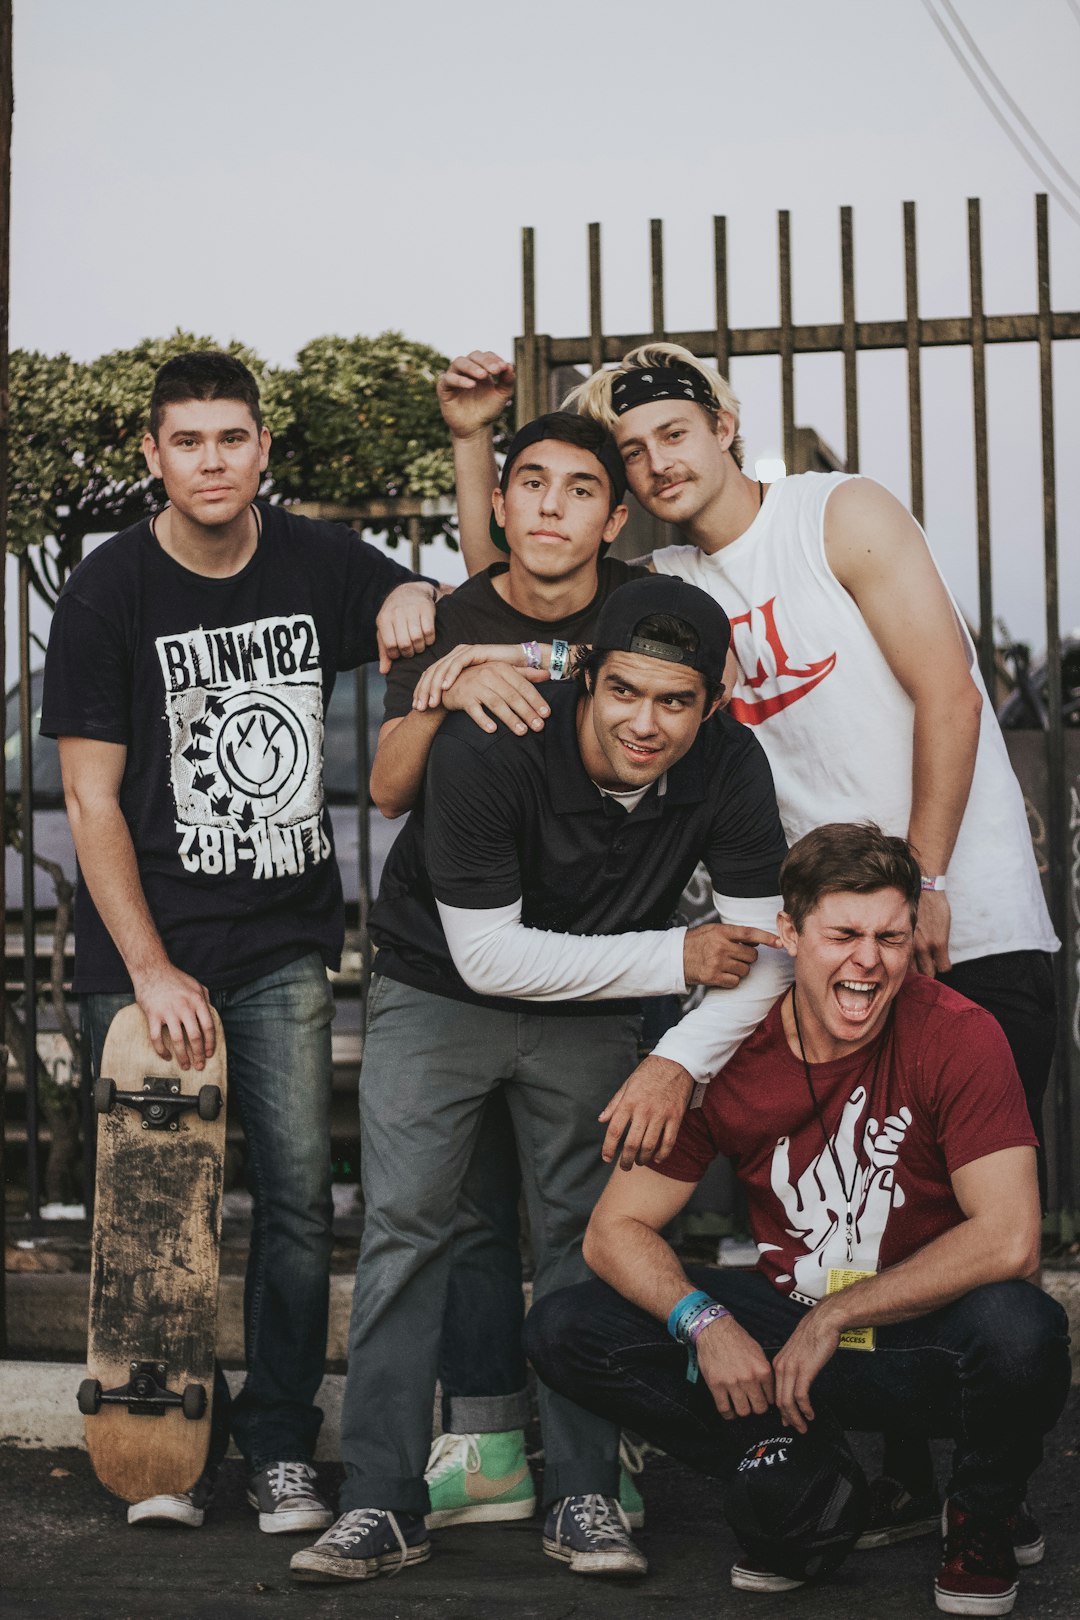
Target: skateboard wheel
pixel 193 1400
pixel 209 1102
pixel 104 1095
pixel 89 1397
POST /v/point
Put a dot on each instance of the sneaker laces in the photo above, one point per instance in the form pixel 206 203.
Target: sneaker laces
pixel 452 1451
pixel 600 1518
pixel 290 1480
pixel 632 1453
pixel 359 1522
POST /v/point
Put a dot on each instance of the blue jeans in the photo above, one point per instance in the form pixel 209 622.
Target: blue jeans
pixel 990 1370
pixel 277 1031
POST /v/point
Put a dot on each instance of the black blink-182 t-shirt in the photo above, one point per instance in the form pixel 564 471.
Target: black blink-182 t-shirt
pixel 507 816
pixel 475 612
pixel 218 688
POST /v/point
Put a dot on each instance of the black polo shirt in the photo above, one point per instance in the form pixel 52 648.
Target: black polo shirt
pixel 507 816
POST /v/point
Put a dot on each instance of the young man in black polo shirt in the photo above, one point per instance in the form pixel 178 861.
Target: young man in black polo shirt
pixel 522 915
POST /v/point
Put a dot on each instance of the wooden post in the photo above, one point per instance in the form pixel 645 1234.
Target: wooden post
pixel 6 109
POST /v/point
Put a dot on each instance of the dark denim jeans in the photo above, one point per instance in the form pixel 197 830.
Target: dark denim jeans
pixel 991 1371
pixel 1017 987
pixel 277 1031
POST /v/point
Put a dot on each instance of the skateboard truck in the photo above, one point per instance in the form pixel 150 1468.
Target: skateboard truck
pixel 160 1102
pixel 145 1394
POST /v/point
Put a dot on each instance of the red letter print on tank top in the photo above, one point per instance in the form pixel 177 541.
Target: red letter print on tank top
pixel 773 666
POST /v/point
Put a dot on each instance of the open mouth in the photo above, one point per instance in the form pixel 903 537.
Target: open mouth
pixel 856 998
pixel 635 752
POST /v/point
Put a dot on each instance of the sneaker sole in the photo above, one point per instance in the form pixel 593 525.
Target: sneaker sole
pixel 752 1580
pixel 482 1513
pixel 291 1520
pixel 158 1511
pixel 597 1563
pixel 896 1533
pixel 636 1521
pixel 1031 1554
pixel 318 1566
pixel 975 1603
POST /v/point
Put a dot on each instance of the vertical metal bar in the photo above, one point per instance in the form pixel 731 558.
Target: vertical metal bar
pixel 787 340
pixel 656 256
pixel 6 107
pixel 363 839
pixel 596 314
pixel 723 336
pixel 851 377
pixel 1056 818
pixel 982 477
pixel 527 407
pixel 911 283
pixel 415 532
pixel 29 917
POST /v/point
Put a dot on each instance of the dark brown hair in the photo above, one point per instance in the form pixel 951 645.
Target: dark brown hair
pixel 202 374
pixel 846 857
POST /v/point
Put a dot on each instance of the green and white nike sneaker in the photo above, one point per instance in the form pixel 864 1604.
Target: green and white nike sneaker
pixel 479 1479
pixel 631 1462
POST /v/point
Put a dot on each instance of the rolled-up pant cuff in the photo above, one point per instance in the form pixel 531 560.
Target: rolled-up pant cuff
pixel 383 1491
pixel 486 1414
pixel 580 1476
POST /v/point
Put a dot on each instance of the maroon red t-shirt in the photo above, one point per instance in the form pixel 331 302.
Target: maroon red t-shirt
pixel 936 1090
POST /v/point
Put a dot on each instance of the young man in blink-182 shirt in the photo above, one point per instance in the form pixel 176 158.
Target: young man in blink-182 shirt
pixel 189 667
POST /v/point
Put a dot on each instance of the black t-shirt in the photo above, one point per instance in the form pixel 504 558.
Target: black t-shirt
pixel 475 612
pixel 218 688
pixel 507 816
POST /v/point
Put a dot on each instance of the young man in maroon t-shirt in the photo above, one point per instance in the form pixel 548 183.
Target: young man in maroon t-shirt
pixel 879 1128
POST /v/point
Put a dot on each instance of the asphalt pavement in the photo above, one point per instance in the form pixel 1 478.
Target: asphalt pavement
pixel 66 1553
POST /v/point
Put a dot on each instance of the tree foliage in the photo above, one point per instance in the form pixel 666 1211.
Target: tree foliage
pixel 354 418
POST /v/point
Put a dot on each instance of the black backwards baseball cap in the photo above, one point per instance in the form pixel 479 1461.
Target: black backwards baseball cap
pixel 797 1502
pixel 639 599
pixel 568 428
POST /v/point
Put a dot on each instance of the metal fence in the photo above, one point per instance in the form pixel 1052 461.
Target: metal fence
pixel 1051 775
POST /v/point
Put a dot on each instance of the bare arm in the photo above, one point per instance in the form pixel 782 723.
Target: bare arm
pixel 879 554
pixel 177 1007
pixel 623 1246
pixel 473 393
pixel 397 771
pixel 998 1241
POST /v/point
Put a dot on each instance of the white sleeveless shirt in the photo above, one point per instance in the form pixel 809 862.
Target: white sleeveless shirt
pixel 837 726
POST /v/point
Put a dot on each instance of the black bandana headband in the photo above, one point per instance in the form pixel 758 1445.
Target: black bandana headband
pixel 674 381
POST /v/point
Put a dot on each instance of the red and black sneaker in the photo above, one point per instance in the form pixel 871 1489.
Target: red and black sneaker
pixel 978 1572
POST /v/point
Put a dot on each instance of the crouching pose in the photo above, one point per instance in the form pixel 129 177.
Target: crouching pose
pixel 878 1125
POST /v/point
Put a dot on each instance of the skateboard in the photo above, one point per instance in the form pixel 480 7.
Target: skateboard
pixel 154 1264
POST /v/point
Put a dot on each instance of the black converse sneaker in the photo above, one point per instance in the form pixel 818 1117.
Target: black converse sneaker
pixel 287 1500
pixel 895 1515
pixel 363 1543
pixel 591 1534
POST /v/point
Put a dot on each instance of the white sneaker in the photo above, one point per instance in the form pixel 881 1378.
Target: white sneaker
pixel 187 1507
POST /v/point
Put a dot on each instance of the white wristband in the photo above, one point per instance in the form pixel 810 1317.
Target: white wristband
pixel 935 885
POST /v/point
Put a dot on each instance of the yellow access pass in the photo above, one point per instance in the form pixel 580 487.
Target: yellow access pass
pixel 854 1338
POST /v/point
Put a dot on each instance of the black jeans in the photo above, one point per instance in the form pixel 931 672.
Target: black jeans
pixel 991 1371
pixel 1017 987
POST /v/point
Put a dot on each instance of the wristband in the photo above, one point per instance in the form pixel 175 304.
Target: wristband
pixel 531 649
pixel 560 658
pixel 689 1318
pixel 934 885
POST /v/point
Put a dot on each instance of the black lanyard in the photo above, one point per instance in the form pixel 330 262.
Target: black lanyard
pixel 849 1219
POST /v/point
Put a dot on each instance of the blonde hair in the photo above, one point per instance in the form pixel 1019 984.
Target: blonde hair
pixel 593 396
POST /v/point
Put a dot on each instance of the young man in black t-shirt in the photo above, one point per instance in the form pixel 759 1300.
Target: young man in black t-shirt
pixel 523 913
pixel 189 666
pixel 558 506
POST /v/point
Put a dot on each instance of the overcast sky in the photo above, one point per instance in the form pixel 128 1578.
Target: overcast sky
pixel 273 171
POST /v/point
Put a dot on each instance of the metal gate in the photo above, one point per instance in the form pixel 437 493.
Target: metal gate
pixel 1049 772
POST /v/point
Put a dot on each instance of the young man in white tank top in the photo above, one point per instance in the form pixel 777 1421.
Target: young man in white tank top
pixel 861 683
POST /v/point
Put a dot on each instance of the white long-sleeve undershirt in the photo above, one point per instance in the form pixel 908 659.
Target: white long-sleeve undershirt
pixel 497 955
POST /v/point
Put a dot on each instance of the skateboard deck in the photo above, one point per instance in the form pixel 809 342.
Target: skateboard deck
pixel 148 1393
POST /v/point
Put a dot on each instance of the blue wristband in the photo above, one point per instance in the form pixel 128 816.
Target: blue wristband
pixel 688 1306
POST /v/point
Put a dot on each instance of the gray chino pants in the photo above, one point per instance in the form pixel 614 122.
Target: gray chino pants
pixel 429 1064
